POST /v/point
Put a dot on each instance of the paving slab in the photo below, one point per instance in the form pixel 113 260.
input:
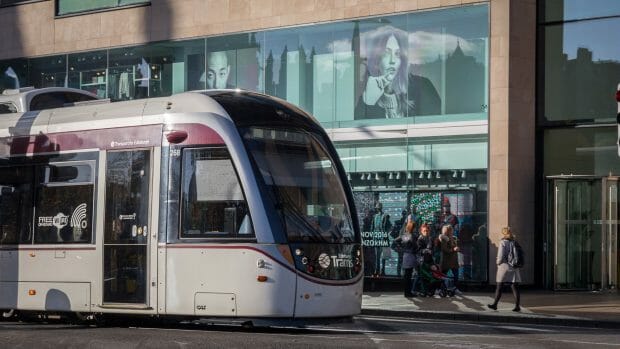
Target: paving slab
pixel 552 308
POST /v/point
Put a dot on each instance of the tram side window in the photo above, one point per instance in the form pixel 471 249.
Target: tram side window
pixel 15 205
pixel 213 204
pixel 64 203
pixel 53 100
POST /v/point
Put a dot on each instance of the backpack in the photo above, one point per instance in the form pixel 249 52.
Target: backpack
pixel 516 257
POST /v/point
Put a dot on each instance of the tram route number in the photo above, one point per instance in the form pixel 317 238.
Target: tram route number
pixel 175 152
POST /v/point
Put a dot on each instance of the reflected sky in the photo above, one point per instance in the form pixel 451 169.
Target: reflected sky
pixel 597 36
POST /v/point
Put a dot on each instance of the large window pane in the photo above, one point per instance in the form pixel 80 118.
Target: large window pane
pixel 582 71
pixel 581 151
pixel 441 180
pixel 88 71
pixel 127 202
pixel 234 61
pixel 13 74
pixel 155 70
pixel 64 203
pixel 565 10
pixel 213 201
pixel 48 71
pixel 448 50
pixel 73 6
pixel 300 68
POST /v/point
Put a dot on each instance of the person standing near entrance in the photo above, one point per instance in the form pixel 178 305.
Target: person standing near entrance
pixel 507 274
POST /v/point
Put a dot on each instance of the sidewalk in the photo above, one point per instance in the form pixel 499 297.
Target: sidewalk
pixel 588 309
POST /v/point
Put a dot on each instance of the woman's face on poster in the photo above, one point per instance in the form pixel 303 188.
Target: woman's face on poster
pixel 390 59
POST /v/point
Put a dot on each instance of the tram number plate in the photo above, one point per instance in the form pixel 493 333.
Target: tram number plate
pixel 175 152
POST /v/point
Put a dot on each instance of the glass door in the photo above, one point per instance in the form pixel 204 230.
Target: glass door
pixel 610 256
pixel 125 248
pixel 577 234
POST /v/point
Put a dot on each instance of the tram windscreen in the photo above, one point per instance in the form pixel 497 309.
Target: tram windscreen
pixel 304 182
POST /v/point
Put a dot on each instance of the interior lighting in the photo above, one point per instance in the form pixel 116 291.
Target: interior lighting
pixel 376 176
pixel 454 174
pixel 437 175
pixel 421 175
pixel 391 176
pixel 397 175
pixel 463 174
pixel 362 177
pixel 429 175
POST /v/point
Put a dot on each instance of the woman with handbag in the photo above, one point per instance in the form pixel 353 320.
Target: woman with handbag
pixel 506 273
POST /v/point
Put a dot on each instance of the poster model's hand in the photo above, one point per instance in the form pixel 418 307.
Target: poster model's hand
pixel 377 86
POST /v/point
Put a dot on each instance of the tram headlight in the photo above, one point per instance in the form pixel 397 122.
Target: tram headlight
pixel 299 252
pixel 304 260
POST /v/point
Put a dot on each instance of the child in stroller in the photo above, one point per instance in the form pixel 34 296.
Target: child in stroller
pixel 432 279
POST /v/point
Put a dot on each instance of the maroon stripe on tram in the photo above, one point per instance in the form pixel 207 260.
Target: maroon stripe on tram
pixel 108 138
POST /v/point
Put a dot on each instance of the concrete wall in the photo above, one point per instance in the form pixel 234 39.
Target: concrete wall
pixel 512 127
pixel 31 29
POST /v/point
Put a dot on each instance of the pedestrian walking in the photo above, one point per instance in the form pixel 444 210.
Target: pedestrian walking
pixel 509 262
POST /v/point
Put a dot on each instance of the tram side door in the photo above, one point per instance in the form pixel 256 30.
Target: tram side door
pixel 127 217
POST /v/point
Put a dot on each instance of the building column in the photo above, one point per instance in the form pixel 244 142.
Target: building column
pixel 512 128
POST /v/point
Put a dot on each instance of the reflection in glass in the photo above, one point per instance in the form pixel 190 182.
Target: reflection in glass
pixel 565 10
pixel 582 71
pixel 127 197
pixel 304 183
pixel 126 226
pixel 300 68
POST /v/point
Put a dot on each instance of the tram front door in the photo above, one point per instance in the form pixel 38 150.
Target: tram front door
pixel 583 237
pixel 125 245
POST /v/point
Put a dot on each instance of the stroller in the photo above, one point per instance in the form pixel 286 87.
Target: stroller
pixel 432 279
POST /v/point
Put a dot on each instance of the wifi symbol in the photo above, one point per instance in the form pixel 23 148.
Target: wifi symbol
pixel 78 218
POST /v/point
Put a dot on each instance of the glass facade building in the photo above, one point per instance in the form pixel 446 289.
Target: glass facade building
pixel 404 97
pixel 580 72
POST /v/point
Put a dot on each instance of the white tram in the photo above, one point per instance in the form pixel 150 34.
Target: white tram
pixel 210 204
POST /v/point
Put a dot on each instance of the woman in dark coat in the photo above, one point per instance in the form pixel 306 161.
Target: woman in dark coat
pixel 409 248
pixel 449 252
